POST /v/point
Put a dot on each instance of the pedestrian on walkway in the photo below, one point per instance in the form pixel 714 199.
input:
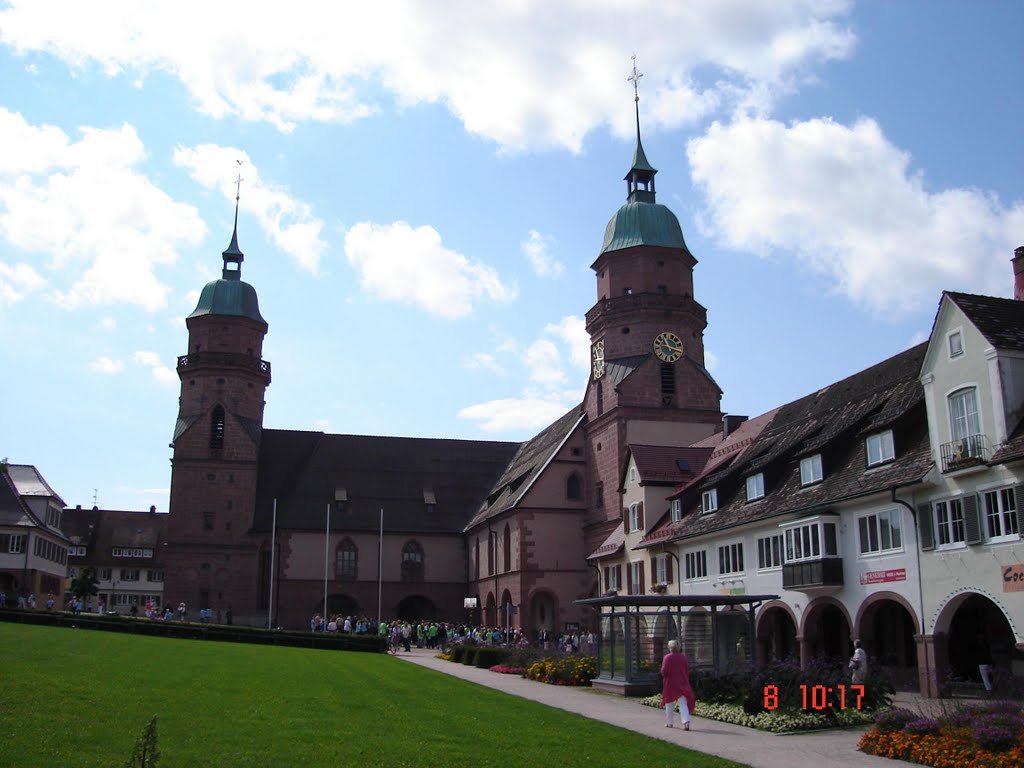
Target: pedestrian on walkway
pixel 858 663
pixel 675 685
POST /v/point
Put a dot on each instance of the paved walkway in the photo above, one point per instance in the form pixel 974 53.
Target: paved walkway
pixel 834 749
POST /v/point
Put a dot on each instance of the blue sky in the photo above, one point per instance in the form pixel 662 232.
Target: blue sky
pixel 426 185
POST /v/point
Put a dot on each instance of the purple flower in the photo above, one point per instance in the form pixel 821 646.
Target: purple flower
pixel 925 726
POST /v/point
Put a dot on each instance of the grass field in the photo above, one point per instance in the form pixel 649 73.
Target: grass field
pixel 80 698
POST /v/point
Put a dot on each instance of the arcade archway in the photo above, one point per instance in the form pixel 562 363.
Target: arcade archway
pixel 416 608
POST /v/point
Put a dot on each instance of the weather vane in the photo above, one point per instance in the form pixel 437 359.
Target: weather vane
pixel 238 181
pixel 635 80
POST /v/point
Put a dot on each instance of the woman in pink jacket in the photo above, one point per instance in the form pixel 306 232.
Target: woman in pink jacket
pixel 675 685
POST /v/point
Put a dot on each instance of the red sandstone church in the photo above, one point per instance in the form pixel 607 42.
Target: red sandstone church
pixel 429 526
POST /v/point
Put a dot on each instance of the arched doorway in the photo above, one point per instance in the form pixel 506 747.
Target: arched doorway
pixel 416 608
pixel 343 605
pixel 734 641
pixel 697 637
pixel 887 628
pixel 507 616
pixel 542 614
pixel 826 631
pixel 776 635
pixel 975 619
pixel 490 619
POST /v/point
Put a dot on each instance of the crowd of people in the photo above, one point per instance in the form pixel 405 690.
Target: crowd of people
pixel 437 635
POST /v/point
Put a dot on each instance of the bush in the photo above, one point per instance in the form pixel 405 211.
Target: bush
pixel 487 657
pixel 894 720
pixel 998 731
pixel 567 670
pixel 469 659
pixel 457 654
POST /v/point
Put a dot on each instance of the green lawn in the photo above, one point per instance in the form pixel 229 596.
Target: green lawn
pixel 80 698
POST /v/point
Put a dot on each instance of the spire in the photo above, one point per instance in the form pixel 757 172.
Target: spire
pixel 233 254
pixel 640 179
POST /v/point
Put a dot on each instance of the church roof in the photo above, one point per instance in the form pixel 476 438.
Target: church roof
pixel 640 223
pixel 424 485
pixel 529 461
pixel 231 297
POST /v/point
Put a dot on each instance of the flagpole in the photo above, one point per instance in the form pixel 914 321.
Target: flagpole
pixel 380 561
pixel 327 542
pixel 273 543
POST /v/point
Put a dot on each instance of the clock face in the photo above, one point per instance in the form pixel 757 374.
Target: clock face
pixel 668 347
pixel 598 354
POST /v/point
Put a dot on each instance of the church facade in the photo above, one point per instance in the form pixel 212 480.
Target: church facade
pixel 275 525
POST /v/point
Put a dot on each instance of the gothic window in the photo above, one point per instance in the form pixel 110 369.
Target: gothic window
pixel 573 487
pixel 412 561
pixel 346 560
pixel 507 546
pixel 217 429
pixel 490 553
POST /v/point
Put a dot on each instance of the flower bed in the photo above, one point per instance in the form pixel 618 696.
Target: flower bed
pixel 568 670
pixel 503 669
pixel 988 736
pixel 776 721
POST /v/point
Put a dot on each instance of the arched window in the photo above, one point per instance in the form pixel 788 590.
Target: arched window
pixel 346 560
pixel 217 429
pixel 491 536
pixel 573 487
pixel 507 547
pixel 412 561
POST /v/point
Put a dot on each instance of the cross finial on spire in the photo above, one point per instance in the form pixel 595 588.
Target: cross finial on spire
pixel 238 182
pixel 635 80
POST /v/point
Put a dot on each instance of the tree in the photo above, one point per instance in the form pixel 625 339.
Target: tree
pixel 84 586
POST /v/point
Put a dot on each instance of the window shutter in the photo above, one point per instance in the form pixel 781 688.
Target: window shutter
pixel 972 525
pixel 1018 495
pixel 625 520
pixel 668 569
pixel 607 578
pixel 642 579
pixel 618 576
pixel 629 579
pixel 640 516
pixel 924 527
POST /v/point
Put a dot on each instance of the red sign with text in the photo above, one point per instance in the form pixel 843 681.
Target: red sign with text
pixel 879 577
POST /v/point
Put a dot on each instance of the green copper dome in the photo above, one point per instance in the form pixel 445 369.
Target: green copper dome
pixel 229 295
pixel 638 223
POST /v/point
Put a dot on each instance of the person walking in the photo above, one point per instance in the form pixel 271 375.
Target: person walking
pixel 675 685
pixel 858 663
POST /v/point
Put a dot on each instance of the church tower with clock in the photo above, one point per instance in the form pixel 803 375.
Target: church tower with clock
pixel 648 384
pixel 210 555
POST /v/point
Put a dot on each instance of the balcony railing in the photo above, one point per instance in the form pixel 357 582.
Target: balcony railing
pixel 215 359
pixel 807 574
pixel 966 452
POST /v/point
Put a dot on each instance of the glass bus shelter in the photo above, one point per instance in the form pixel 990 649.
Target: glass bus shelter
pixel 715 631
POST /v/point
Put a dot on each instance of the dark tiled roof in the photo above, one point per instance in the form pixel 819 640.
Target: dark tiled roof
pixel 529 460
pixel 661 464
pixel 834 420
pixel 80 526
pixel 100 530
pixel 1000 321
pixel 302 470
pixel 612 545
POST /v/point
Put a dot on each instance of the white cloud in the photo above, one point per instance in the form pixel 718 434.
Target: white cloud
pixel 514 414
pixel 288 222
pixel 547 392
pixel 105 365
pixel 108 324
pixel 845 202
pixel 485 361
pixel 161 372
pixel 105 227
pixel 324 62
pixel 437 279
pixel 17 281
pixel 537 249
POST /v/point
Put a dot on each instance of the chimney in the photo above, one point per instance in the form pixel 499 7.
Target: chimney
pixel 731 423
pixel 1018 273
pixel 152 509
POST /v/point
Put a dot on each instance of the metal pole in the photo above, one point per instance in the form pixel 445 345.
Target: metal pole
pixel 273 544
pixel 327 541
pixel 380 562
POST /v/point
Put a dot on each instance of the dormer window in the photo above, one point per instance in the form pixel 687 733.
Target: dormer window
pixel 810 470
pixel 880 448
pixel 676 510
pixel 340 500
pixel 956 344
pixel 634 517
pixel 709 501
pixel 429 500
pixel 632 474
pixel 755 487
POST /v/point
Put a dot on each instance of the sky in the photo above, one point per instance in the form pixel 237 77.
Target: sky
pixel 425 186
